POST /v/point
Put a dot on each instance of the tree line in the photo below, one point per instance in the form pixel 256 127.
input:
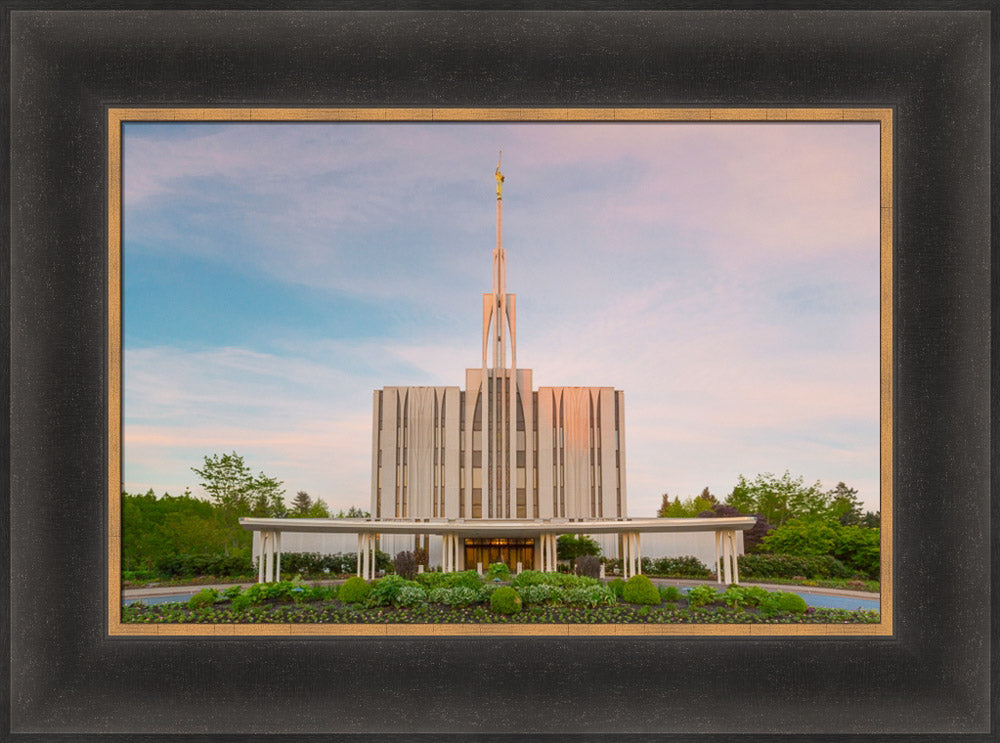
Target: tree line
pixel 157 531
pixel 793 518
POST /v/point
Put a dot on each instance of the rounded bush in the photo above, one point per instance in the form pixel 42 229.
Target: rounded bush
pixel 505 601
pixel 354 590
pixel 640 590
pixel 791 603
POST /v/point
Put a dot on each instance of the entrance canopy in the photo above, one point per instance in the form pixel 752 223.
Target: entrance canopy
pixel 542 531
pixel 499 528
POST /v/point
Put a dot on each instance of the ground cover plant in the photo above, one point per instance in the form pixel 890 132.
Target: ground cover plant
pixel 459 598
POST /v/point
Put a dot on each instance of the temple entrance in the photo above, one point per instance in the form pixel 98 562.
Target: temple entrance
pixel 508 551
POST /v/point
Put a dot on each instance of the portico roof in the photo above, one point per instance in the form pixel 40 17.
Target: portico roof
pixel 498 528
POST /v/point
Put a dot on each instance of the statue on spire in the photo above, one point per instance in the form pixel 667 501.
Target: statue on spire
pixel 499 177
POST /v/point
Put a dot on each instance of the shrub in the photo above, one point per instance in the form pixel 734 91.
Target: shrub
pixel 617 587
pixel 791 603
pixel 454 596
pixel 386 590
pixel 640 590
pixel 529 578
pixel 857 547
pixel 735 596
pixel 753 595
pixel 205 597
pixel 590 596
pixel 241 602
pixel 431 581
pixel 505 601
pixel 702 595
pixel 789 566
pixel 668 593
pixel 353 590
pixel 186 566
pixel 410 596
pixel 588 565
pixel 498 570
pixel 486 590
pixel 565 580
pixel 405 565
pixel 686 566
pixel 467 578
pixel 542 593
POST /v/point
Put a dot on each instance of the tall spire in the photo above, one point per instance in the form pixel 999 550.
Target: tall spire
pixel 499 259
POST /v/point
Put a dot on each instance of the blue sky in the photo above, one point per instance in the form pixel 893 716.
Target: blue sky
pixel 724 275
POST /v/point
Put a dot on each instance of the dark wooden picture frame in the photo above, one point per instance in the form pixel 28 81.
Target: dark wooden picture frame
pixel 932 676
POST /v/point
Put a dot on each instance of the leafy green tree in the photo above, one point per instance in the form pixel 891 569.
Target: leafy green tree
pixel 802 537
pixel 845 505
pixel 856 546
pixel 301 503
pixel 231 486
pixel 354 512
pixel 318 510
pixel 266 499
pixel 156 530
pixel 571 546
pixel 779 499
pixel 687 508
pixel 228 482
pixel 872 519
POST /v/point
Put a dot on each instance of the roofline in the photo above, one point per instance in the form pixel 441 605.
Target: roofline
pixel 508 527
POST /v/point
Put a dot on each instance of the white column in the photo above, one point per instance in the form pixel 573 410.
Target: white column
pixel 277 549
pixel 268 562
pixel 726 558
pixel 260 557
pixel 360 548
pixel 718 566
pixel 626 560
pixel 638 554
pixel 445 552
pixel 736 563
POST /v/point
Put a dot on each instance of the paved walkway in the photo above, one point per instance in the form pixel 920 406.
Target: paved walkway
pixel 823 590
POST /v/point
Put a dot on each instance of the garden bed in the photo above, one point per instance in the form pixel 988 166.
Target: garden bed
pixel 465 598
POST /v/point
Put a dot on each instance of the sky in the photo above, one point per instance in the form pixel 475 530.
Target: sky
pixel 724 275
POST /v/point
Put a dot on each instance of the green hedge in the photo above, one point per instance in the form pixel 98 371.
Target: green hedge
pixel 186 566
pixel 686 566
pixel 790 566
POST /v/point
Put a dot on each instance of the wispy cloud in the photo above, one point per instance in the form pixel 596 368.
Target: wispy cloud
pixel 724 276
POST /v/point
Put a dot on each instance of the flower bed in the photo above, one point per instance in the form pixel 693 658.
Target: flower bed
pixel 538 599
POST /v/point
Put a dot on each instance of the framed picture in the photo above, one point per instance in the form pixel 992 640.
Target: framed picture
pixel 71 69
pixel 717 224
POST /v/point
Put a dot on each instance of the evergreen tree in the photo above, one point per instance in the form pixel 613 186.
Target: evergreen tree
pixel 301 503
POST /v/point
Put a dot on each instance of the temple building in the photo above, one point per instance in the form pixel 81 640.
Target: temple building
pixel 498 449
pixel 495 472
